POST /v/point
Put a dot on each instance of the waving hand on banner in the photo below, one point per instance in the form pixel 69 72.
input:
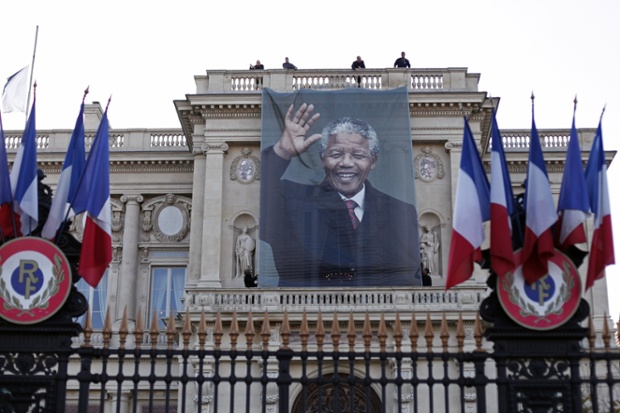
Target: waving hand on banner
pixel 293 141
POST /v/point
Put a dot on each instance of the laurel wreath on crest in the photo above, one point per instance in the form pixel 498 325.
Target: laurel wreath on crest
pixel 527 309
pixel 41 301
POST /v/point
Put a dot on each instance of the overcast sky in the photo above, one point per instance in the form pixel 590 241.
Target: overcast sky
pixel 145 54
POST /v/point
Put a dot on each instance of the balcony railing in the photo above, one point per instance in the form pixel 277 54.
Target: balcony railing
pixel 416 80
pixel 120 140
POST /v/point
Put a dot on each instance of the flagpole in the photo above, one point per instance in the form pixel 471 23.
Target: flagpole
pixel 34 53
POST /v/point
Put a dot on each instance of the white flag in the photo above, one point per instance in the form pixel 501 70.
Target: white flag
pixel 14 93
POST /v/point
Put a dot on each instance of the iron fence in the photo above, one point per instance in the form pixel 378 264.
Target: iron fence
pixel 306 366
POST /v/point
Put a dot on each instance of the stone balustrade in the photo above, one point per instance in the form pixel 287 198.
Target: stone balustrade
pixel 120 140
pixel 518 140
pixel 294 301
pixel 235 81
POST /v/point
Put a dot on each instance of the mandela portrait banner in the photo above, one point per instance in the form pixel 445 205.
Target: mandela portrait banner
pixel 337 190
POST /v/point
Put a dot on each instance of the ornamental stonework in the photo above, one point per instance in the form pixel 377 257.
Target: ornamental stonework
pixel 170 221
pixel 245 168
pixel 428 166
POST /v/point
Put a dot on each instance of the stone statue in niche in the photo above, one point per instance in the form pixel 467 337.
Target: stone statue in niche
pixel 244 250
pixel 429 250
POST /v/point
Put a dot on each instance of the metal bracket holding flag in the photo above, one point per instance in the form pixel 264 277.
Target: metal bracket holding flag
pixel 35 280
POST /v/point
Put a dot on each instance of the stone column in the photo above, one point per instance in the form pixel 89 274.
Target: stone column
pixel 198 191
pixel 212 215
pixel 128 273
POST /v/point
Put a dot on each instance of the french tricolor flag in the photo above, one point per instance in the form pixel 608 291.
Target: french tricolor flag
pixel 72 169
pixel 573 204
pixel 471 209
pixel 502 207
pixel 24 179
pixel 7 218
pixel 602 248
pixel 93 196
pixel 540 214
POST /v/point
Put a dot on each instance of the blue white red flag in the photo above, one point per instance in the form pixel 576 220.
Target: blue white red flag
pixel 471 209
pixel 93 196
pixel 602 248
pixel 502 207
pixel 7 218
pixel 72 169
pixel 573 204
pixel 540 214
pixel 24 179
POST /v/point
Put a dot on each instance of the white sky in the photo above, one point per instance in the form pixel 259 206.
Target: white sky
pixel 146 53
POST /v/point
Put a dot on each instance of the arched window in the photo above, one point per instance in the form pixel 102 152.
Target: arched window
pixel 344 397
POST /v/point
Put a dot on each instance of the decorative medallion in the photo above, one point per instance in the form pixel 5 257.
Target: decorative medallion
pixel 546 304
pixel 245 168
pixel 35 280
pixel 171 220
pixel 428 166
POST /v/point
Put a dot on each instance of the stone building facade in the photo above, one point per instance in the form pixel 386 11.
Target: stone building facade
pixel 182 197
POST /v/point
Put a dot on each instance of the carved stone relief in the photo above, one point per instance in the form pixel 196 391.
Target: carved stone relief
pixel 245 168
pixel 428 166
pixel 166 218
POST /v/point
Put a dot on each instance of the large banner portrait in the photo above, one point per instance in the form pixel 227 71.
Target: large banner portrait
pixel 337 190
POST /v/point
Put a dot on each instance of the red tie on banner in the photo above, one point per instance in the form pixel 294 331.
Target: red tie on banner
pixel 351 205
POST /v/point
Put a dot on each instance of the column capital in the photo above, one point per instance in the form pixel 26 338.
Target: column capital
pixel 214 148
pixel 127 198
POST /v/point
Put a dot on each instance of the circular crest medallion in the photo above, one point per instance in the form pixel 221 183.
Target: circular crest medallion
pixel 547 303
pixel 35 280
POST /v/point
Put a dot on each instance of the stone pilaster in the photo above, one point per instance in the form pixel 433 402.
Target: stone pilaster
pixel 128 272
pixel 198 196
pixel 212 215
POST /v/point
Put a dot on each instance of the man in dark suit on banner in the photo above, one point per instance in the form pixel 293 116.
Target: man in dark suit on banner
pixel 342 232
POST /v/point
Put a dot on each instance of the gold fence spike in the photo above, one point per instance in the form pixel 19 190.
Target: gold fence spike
pixel 107 329
pixel 304 332
pixel 88 328
pixel 382 333
pixel 367 334
pixel 202 330
pixel 285 332
pixel 265 331
pixel 443 333
pixel 428 332
pixel 460 333
pixel 249 332
pixel 413 333
pixel 187 329
pixel 398 333
pixel 154 331
pixel 234 331
pixel 351 334
pixel 171 330
pixel 123 331
pixel 218 331
pixel 335 331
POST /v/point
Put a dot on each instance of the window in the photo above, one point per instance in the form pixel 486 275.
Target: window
pixel 167 287
pixel 97 301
